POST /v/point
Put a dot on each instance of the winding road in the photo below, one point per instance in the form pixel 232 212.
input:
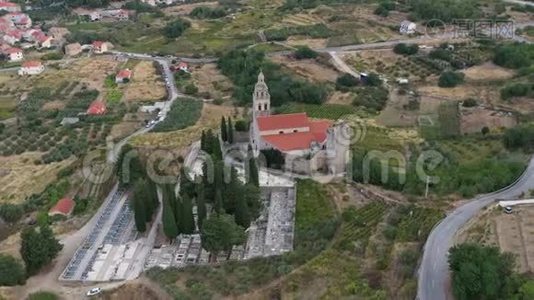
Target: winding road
pixel 433 281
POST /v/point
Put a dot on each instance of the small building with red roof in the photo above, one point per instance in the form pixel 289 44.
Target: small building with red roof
pixel 182 66
pixel 63 207
pixel 97 107
pixel 123 76
pixel 293 134
pixel 13 54
pixel 31 67
pixel 100 47
pixel 9 7
pixel 13 36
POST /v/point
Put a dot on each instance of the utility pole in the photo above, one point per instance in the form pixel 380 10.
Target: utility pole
pixel 427 183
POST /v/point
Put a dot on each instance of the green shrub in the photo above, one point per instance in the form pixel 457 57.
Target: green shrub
pixel 175 28
pixel 43 296
pixel 184 112
pixel 516 90
pixel 11 212
pixel 450 79
pixel 204 12
pixel 346 80
pixel 407 49
pixel 305 52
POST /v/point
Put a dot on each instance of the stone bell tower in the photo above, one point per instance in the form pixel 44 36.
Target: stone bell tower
pixel 261 100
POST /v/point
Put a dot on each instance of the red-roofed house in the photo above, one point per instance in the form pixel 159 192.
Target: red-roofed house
pixel 63 207
pixel 293 134
pixel 13 54
pixel 183 66
pixel 43 40
pixel 20 20
pixel 9 6
pixel 123 76
pixel 13 36
pixel 100 47
pixel 97 108
pixel 31 67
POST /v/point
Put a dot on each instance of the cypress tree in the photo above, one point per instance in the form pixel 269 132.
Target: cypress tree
pixel 254 177
pixel 203 141
pixel 201 205
pixel 241 214
pixel 230 131
pixel 216 148
pixel 218 202
pixel 178 214
pixel 188 220
pixel 140 204
pixel 169 223
pixel 224 130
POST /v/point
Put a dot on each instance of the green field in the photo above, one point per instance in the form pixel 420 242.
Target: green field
pixel 324 111
pixel 8 106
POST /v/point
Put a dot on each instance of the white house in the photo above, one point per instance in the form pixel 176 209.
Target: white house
pixel 407 27
pixel 42 39
pixel 31 67
pixel 13 54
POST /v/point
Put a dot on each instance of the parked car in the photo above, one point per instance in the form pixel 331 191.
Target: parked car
pixel 94 291
pixel 508 209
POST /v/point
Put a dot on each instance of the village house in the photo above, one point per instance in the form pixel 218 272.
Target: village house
pixel 407 27
pixel 63 207
pixel 123 76
pixel 43 40
pixel 73 49
pixel 31 67
pixel 58 35
pixel 20 20
pixel 13 54
pixel 13 36
pixel 100 47
pixel 182 66
pixel 9 7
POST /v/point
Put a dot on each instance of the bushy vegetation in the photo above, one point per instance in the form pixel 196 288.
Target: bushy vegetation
pixel 449 79
pixel 372 98
pixel 520 137
pixel 42 295
pixel 175 28
pixel 243 67
pixel 384 7
pixel 305 52
pixel 324 111
pixel 38 248
pixel 482 272
pixel 184 112
pixel 11 213
pixel 205 12
pixel 312 31
pixel 444 10
pixel 514 56
pixel 346 81
pixel 11 271
pixel 517 90
pixel 406 49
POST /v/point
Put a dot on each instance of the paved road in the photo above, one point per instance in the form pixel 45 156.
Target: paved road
pixel 433 272
pixel 172 94
pixel 520 2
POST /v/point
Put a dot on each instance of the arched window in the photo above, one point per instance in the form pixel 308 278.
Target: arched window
pixel 295 130
pixel 265 106
pixel 259 106
pixel 280 132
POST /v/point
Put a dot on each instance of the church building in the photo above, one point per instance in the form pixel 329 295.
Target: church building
pixel 293 134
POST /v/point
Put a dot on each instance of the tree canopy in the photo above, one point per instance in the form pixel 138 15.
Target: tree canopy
pixel 175 28
pixel 220 232
pixel 11 271
pixel 38 247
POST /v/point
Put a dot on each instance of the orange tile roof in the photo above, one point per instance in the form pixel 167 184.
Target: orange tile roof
pixel 63 206
pixel 284 121
pixel 96 108
pixel 97 44
pixel 126 73
pixel 296 140
pixel 31 64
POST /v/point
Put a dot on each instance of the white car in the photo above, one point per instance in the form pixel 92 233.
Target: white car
pixel 94 291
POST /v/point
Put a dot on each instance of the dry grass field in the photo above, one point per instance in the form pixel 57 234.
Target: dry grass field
pixel 474 119
pixel 145 85
pixel 487 71
pixel 20 177
pixel 209 80
pixel 210 119
pixel 510 232
pixel 308 68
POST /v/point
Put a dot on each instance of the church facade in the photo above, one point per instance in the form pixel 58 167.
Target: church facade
pixel 292 134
